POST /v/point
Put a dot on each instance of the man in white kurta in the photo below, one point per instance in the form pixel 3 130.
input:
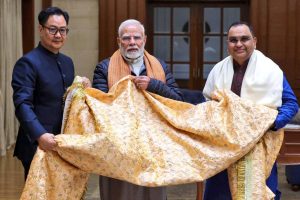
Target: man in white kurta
pixel 253 76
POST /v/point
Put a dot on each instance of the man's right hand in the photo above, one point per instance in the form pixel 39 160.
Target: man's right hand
pixel 47 142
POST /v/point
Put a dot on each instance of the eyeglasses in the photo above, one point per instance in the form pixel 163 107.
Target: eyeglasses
pixel 128 38
pixel 53 30
pixel 235 40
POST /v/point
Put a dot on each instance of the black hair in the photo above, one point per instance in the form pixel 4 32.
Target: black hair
pixel 239 23
pixel 45 14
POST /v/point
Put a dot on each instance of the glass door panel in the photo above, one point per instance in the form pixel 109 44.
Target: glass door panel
pixel 206 69
pixel 162 20
pixel 181 71
pixel 171 40
pixel 216 23
pixel 230 15
pixel 181 20
pixel 225 52
pixel 211 52
pixel 181 49
pixel 212 20
pixel 162 51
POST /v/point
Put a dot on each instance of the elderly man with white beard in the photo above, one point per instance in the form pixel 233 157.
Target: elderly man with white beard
pixel 150 74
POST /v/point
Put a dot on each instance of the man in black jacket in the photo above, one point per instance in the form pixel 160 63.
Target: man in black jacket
pixel 39 80
pixel 150 74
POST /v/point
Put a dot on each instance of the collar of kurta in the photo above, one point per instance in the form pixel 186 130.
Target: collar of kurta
pixel 119 68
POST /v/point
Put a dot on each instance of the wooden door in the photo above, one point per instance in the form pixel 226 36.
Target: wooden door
pixel 191 35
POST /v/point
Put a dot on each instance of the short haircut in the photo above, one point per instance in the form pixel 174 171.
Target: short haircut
pixel 128 23
pixel 45 14
pixel 239 23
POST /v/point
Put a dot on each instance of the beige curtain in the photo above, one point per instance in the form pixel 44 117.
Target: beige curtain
pixel 11 50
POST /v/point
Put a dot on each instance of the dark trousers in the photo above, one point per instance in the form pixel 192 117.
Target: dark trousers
pixel 26 165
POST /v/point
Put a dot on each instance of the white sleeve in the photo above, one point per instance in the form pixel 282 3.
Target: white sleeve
pixel 209 85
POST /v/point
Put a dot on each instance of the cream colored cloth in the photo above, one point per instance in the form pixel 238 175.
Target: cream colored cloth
pixel 262 82
pixel 149 140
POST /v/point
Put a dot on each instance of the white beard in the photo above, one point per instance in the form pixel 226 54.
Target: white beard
pixel 132 56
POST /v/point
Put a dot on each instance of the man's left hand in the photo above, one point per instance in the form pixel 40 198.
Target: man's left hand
pixel 141 82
